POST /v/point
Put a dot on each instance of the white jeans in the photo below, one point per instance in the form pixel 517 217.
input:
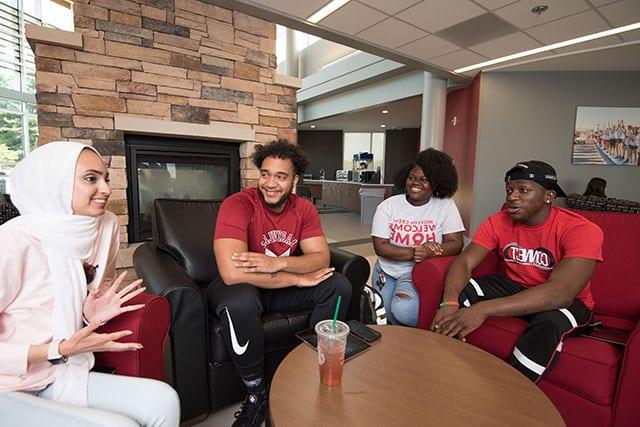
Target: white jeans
pixel 114 401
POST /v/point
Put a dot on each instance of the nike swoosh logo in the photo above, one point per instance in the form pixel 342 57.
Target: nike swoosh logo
pixel 237 348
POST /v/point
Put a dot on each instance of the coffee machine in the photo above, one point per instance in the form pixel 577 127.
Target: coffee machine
pixel 362 167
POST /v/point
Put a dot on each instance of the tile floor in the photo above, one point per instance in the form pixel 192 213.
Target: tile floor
pixel 342 230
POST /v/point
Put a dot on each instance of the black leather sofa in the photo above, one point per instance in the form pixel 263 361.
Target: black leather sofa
pixel 179 265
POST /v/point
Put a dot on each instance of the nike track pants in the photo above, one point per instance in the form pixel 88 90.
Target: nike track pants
pixel 539 347
pixel 240 307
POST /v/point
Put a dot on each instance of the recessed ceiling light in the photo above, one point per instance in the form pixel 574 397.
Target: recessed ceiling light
pixel 383 126
pixel 326 11
pixel 385 111
pixel 312 126
pixel 558 45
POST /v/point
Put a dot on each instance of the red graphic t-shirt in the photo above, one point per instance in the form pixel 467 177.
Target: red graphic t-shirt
pixel 243 216
pixel 529 254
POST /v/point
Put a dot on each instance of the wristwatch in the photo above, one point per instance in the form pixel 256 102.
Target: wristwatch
pixel 53 353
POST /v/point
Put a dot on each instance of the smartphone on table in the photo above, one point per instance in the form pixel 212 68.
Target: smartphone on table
pixel 363 332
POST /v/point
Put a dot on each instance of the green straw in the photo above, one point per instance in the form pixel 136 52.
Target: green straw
pixel 335 313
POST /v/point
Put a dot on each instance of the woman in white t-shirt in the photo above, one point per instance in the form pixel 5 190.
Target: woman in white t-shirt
pixel 408 228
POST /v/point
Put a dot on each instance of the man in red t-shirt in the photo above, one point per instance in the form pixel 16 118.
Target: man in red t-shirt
pixel 258 232
pixel 547 256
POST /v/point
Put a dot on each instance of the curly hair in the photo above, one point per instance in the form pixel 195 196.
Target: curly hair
pixel 439 170
pixel 400 176
pixel 282 149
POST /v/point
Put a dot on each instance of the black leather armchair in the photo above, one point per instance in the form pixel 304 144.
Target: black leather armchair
pixel 179 264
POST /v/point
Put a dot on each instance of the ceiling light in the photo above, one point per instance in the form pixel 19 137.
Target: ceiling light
pixel 558 45
pixel 326 11
pixel 383 126
pixel 312 126
pixel 385 111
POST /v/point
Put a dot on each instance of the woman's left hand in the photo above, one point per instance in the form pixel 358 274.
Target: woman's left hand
pixel 103 305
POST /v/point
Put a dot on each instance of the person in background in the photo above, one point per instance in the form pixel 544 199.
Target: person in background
pixel 408 228
pixel 258 232
pixel 57 268
pixel 546 259
pixel 596 188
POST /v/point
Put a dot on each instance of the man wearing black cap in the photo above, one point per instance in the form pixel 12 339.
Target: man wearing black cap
pixel 546 258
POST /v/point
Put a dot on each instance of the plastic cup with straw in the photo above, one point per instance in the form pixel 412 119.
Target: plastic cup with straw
pixel 332 342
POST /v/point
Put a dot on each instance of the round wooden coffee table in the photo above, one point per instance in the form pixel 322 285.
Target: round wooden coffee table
pixel 409 377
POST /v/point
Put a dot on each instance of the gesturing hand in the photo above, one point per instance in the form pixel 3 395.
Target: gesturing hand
pixel 87 340
pixel 311 279
pixel 253 262
pixel 103 305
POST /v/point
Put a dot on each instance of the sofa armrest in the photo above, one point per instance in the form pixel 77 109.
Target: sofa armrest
pixel 428 280
pixel 189 325
pixel 625 412
pixel 149 325
pixel 357 270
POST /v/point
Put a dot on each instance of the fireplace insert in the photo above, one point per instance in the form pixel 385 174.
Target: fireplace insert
pixel 166 167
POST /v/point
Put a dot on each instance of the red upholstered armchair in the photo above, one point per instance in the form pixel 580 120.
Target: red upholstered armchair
pixel 150 326
pixel 594 383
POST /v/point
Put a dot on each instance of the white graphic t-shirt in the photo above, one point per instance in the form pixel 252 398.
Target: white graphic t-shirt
pixel 407 225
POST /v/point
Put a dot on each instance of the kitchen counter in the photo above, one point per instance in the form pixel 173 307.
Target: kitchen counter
pixel 341 194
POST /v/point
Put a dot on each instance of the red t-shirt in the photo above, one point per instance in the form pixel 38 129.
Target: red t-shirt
pixel 243 216
pixel 529 254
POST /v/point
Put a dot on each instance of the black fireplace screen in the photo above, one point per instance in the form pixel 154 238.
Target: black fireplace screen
pixel 159 167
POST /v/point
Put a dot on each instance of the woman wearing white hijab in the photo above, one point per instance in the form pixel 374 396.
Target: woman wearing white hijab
pixel 61 189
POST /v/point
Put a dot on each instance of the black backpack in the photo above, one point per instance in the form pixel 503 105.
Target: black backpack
pixel 372 310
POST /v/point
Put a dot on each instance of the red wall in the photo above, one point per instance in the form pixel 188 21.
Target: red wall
pixel 460 141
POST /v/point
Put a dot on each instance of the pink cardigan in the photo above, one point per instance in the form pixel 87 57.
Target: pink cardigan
pixel 26 301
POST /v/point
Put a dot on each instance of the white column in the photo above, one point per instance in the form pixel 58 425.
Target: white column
pixel 291 60
pixel 434 103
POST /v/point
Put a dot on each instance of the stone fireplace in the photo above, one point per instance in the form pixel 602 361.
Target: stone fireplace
pixel 175 68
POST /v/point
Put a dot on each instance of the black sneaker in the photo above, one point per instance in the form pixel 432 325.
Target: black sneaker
pixel 252 411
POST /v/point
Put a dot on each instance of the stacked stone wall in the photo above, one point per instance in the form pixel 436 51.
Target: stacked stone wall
pixel 178 60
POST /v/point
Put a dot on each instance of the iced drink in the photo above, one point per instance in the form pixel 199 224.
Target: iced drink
pixel 331 346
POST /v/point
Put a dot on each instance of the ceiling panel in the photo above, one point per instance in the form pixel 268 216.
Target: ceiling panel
pixel 391 33
pixel 631 36
pixel 343 18
pixel 301 9
pixel 598 3
pixel 458 59
pixel 428 47
pixel 520 15
pixel 506 45
pixel 622 13
pixel 494 4
pixel 390 7
pixel 449 12
pixel 571 27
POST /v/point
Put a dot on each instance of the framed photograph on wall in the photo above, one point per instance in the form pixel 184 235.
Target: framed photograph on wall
pixel 606 136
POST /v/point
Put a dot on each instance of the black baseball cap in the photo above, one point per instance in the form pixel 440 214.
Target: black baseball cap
pixel 536 171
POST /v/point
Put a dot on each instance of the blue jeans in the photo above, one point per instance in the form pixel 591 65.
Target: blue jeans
pixel 399 296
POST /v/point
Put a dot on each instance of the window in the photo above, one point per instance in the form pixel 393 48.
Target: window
pixel 18 119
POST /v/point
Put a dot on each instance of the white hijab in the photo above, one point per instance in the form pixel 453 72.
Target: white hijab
pixel 42 190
